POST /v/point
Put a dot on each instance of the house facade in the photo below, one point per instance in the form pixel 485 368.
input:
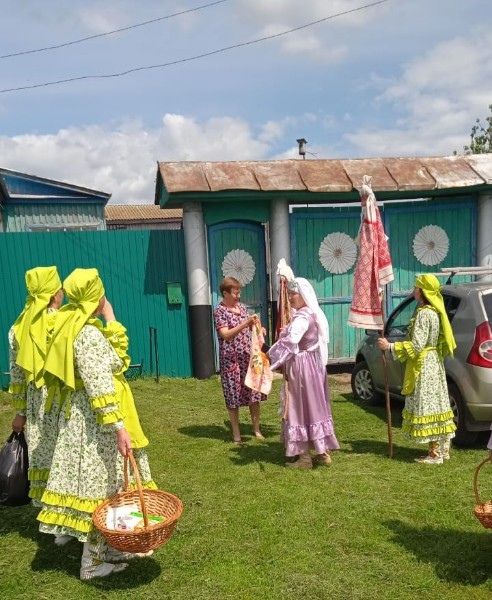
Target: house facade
pixel 240 218
pixel 29 204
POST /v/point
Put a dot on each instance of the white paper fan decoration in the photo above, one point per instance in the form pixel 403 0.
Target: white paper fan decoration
pixel 431 245
pixel 337 252
pixel 239 264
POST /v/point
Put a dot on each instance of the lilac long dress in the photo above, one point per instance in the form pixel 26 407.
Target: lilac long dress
pixel 309 421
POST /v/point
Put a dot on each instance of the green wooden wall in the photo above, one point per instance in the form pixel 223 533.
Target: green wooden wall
pixel 402 221
pixel 308 229
pixel 24 216
pixel 135 267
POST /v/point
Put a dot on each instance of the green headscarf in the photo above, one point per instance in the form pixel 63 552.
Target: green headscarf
pixel 431 288
pixel 30 328
pixel 84 290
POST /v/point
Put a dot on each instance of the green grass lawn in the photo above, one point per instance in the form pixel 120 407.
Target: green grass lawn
pixel 366 527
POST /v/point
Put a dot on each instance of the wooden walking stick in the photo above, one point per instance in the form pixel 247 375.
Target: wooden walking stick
pixel 386 382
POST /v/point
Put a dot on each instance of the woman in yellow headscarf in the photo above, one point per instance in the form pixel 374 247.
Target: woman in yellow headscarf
pixel 427 416
pixel 87 463
pixel 28 340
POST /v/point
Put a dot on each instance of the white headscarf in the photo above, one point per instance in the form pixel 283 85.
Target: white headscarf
pixel 305 289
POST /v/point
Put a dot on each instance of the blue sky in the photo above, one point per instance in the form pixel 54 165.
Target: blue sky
pixel 407 77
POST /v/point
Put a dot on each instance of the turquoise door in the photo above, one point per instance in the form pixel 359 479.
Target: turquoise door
pixel 426 236
pixel 237 248
pixel 323 251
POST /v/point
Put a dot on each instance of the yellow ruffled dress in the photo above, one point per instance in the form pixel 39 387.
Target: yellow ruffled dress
pixel 41 427
pixel 427 416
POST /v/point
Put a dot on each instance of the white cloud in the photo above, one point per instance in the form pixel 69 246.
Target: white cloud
pixel 122 161
pixel 439 96
pixel 296 12
pixel 307 45
pixel 314 44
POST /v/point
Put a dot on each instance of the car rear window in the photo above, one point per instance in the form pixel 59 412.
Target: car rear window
pixel 451 304
pixel 487 304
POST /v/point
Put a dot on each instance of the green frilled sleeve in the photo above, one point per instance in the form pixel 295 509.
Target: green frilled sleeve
pixel 17 385
pixel 413 351
pixel 96 361
pixel 117 336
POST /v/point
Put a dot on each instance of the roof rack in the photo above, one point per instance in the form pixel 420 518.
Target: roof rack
pixel 450 272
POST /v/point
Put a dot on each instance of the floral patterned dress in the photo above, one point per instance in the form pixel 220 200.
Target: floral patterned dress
pixel 427 416
pixel 41 418
pixel 87 467
pixel 234 357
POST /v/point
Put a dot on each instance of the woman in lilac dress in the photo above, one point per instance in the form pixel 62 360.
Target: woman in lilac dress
pixel 233 325
pixel 302 352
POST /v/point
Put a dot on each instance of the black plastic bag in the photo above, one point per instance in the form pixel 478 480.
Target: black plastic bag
pixel 14 484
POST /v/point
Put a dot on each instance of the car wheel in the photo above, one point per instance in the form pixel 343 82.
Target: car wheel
pixel 362 384
pixel 463 437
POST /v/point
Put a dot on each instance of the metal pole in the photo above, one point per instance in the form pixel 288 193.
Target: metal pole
pixel 156 350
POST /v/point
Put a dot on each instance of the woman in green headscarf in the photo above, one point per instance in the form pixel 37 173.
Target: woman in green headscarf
pixel 88 458
pixel 28 340
pixel 427 416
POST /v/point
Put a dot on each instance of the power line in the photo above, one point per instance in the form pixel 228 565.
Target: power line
pixel 195 57
pixel 106 33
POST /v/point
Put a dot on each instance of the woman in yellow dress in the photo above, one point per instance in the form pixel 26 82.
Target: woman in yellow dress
pixel 427 416
pixel 28 340
pixel 87 465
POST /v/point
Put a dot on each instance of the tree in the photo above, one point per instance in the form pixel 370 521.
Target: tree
pixel 481 136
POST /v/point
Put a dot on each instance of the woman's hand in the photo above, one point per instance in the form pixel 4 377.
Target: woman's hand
pixel 383 344
pixel 107 311
pixel 18 423
pixel 123 441
pixel 252 320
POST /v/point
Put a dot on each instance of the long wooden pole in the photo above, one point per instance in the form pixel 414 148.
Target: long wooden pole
pixel 386 382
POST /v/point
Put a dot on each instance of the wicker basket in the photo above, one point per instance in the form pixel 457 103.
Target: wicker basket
pixel 153 502
pixel 483 510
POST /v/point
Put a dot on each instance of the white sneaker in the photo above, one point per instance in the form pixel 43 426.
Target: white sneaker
pixel 117 556
pixel 61 540
pixel 430 460
pixel 101 570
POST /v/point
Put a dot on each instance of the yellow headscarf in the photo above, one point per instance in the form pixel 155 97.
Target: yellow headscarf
pixel 84 290
pixel 30 328
pixel 431 288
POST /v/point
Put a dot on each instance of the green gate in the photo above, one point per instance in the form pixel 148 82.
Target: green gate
pixel 237 248
pixel 329 230
pixel 423 237
pixel 427 235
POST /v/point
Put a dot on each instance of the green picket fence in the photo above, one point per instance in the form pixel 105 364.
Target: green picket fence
pixel 137 268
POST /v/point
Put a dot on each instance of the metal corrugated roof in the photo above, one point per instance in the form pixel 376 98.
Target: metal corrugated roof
pixel 330 175
pixel 140 212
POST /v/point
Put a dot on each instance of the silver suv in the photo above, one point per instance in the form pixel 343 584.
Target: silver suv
pixel 469 372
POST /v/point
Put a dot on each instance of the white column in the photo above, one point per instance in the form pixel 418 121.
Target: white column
pixel 279 239
pixel 484 232
pixel 199 309
pixel 196 254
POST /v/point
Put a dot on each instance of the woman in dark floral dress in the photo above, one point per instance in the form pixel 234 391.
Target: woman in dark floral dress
pixel 233 325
